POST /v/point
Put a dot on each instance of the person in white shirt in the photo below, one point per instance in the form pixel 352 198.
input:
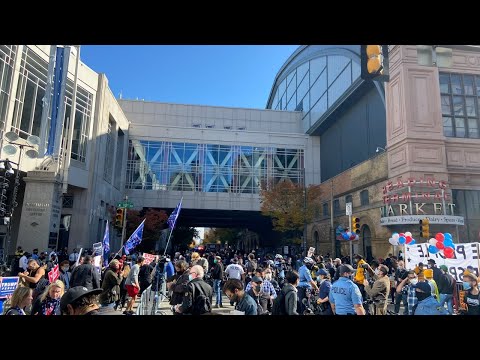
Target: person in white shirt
pixel 23 262
pixel 73 256
pixel 235 271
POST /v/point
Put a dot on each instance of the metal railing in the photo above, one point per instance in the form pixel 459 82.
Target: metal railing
pixel 150 301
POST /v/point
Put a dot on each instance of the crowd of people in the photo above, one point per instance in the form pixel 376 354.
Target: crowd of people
pixel 194 283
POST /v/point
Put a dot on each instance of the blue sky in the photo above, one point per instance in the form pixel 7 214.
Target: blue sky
pixel 222 75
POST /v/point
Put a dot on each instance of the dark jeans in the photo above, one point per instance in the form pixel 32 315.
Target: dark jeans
pixel 398 299
pixel 301 295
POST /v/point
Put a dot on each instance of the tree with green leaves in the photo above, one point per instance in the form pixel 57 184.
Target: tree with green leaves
pixel 286 205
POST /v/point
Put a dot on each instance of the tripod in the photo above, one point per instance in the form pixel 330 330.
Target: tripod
pixel 159 296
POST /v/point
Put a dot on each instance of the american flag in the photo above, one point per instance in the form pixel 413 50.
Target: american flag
pixel 134 239
pixel 106 245
pixel 172 219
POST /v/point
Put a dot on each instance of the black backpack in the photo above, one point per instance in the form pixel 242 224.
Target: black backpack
pixel 202 304
pixel 279 305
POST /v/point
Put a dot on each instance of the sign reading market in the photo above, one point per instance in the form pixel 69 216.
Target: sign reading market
pixel 408 202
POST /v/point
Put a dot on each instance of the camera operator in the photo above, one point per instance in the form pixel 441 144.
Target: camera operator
pixel 379 291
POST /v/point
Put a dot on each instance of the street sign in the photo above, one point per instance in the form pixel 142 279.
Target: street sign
pixel 125 205
pixel 348 208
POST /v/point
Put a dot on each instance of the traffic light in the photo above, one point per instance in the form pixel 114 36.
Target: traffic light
pixel 424 228
pixel 119 218
pixel 355 225
pixel 374 62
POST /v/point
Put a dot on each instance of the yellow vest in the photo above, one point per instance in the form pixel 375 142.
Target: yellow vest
pixel 360 274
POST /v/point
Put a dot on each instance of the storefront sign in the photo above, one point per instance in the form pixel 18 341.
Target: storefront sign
pixel 414 219
pixel 465 255
pixel 408 202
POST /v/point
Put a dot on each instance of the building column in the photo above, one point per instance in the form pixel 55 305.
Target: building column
pixel 40 218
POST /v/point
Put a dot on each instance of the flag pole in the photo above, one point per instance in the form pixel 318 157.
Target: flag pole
pixel 168 241
pixel 174 223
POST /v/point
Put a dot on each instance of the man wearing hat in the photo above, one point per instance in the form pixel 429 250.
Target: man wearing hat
pixel 436 271
pixel 427 305
pixel 254 288
pixel 345 297
pixel 446 286
pixel 78 300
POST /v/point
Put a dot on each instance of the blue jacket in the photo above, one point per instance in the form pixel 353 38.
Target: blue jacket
pixel 430 306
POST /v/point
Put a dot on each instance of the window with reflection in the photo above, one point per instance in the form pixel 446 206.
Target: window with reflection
pixel 156 165
pixel 459 100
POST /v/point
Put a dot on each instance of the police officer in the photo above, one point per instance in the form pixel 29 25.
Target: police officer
pixel 345 296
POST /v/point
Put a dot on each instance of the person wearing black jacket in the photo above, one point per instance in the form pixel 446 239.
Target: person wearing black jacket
pixel 446 285
pixel 86 275
pixel 145 276
pixel 197 299
pixel 178 286
pixel 111 285
pixel 217 276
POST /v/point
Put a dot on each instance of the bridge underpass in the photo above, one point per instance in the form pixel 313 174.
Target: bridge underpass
pixel 234 219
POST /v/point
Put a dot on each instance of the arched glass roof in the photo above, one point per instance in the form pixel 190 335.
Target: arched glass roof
pixel 313 78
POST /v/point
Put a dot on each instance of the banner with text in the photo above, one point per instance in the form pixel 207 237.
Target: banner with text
pixel 8 285
pixel 149 258
pixel 465 255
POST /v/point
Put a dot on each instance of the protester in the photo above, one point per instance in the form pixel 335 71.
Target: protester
pixel 235 271
pixel 111 285
pixel 178 286
pixel 21 298
pixel 379 291
pixel 428 273
pixel 217 276
pixel 446 287
pixel 427 304
pixel 400 274
pixel 254 290
pixel 233 289
pixel 48 303
pixel 198 260
pixel 79 300
pixel 85 275
pixel 345 297
pixel 290 292
pixel 360 273
pixel 132 284
pixel 65 275
pixel 34 277
pixel 197 299
pixel 472 296
pixel 407 289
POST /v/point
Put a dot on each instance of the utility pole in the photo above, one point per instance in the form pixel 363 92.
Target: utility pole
pixel 332 230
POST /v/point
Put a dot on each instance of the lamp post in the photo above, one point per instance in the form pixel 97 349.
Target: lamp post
pixel 11 149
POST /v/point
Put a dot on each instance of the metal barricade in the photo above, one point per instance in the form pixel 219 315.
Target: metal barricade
pixel 151 301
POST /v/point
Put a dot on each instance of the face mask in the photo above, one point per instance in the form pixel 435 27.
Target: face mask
pixel 190 277
pixel 215 261
pixel 65 268
pixel 377 272
pixel 422 296
pixel 268 276
pixel 413 281
pixel 466 285
pixel 257 288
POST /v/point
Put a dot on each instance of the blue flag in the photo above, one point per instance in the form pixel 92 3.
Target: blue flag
pixel 106 245
pixel 134 239
pixel 172 219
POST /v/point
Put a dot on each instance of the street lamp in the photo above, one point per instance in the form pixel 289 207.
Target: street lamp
pixel 10 149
